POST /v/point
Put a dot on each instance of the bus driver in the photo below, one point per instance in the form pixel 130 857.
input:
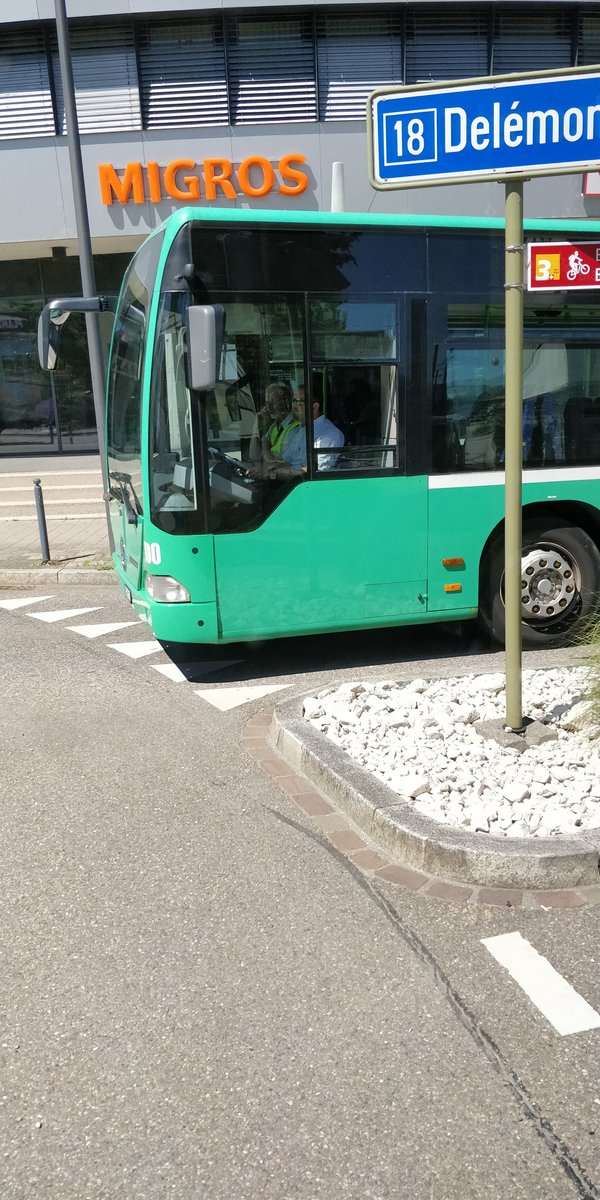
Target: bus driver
pixel 326 435
pixel 273 423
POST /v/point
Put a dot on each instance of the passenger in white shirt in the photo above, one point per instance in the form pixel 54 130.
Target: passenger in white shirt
pixel 326 436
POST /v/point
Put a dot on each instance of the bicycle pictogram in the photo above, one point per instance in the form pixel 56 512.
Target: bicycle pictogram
pixel 577 266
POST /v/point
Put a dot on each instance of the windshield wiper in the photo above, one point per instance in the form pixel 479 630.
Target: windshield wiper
pixel 121 493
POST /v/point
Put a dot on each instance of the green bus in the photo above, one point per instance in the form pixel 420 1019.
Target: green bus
pixel 387 331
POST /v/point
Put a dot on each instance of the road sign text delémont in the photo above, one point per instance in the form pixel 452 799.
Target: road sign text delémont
pixel 493 128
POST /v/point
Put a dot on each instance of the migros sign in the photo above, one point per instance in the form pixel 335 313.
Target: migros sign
pixel 187 180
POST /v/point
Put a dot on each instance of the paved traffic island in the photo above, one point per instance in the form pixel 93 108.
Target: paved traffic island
pixel 385 835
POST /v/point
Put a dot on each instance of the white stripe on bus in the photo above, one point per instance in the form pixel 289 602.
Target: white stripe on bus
pixel 496 478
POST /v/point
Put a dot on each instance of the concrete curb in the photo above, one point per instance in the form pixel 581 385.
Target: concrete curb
pixel 24 577
pixel 418 841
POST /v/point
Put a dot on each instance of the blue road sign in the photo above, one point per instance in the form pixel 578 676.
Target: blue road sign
pixel 494 128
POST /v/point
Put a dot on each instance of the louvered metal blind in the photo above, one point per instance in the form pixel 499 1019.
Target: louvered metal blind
pixel 355 54
pixel 271 70
pixel 105 78
pixel 531 41
pixel 445 43
pixel 25 99
pixel 182 74
pixel 588 41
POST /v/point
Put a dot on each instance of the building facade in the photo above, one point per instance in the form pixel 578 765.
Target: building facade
pixel 232 106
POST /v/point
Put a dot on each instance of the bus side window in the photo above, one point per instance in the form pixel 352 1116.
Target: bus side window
pixel 361 402
pixel 173 475
pixel 354 349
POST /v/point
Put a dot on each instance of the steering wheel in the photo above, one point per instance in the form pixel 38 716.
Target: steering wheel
pixel 233 463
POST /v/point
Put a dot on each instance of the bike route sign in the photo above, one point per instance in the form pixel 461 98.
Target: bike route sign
pixel 562 266
pixel 508 126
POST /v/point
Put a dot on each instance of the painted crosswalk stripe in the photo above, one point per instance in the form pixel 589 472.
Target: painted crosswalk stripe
pixel 194 671
pixel 226 698
pixel 94 631
pixel 171 671
pixel 562 1006
pixel 9 605
pixel 63 614
pixel 136 649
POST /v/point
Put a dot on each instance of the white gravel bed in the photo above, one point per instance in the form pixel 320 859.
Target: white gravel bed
pixel 419 739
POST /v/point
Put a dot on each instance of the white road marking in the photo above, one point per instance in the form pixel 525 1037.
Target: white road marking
pixel 562 1006
pixel 63 614
pixel 63 500
pixel 171 671
pixel 94 631
pixel 195 670
pixel 50 487
pixel 10 604
pixel 136 649
pixel 226 698
pixel 50 474
pixel 95 516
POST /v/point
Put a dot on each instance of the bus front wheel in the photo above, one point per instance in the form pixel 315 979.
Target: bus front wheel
pixel 560 584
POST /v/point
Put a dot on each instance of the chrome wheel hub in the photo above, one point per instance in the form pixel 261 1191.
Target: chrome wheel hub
pixel 550 583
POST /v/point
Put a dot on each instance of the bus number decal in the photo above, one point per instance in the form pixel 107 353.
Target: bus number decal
pixel 152 553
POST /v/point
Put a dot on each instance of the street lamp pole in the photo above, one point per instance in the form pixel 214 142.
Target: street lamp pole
pixel 86 261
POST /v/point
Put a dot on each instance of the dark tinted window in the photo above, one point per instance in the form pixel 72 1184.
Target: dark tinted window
pixel 466 262
pixel 309 260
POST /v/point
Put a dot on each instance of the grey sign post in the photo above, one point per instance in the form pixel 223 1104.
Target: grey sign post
pixel 506 128
pixel 84 242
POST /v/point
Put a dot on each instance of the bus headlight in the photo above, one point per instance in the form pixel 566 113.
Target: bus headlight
pixel 166 590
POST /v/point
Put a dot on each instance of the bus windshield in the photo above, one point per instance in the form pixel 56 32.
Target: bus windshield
pixel 307 387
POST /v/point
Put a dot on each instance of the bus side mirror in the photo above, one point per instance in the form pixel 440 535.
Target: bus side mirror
pixel 49 327
pixel 52 318
pixel 205 325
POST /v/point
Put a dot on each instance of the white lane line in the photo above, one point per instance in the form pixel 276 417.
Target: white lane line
pixel 171 671
pixel 562 1006
pixel 226 698
pixel 63 614
pixel 136 649
pixel 94 631
pixel 9 605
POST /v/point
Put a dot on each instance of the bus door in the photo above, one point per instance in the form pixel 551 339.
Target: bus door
pixel 124 443
pixel 348 546
pixel 124 411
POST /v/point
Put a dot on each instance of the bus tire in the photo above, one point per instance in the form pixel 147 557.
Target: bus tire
pixel 561 584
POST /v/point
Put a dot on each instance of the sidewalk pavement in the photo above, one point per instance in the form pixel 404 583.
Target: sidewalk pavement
pixel 75 519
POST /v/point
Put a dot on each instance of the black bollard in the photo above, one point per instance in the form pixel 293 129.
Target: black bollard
pixel 41 517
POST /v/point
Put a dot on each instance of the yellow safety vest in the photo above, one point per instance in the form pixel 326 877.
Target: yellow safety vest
pixel 277 435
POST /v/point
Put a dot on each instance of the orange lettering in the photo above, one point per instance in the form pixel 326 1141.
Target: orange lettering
pixel 243 174
pixel 213 181
pixel 289 172
pixel 111 187
pixel 192 183
pixel 154 182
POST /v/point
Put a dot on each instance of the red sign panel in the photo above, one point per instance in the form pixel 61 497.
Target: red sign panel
pixel 563 266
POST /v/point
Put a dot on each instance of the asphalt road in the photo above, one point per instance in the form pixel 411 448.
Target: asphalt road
pixel 202 998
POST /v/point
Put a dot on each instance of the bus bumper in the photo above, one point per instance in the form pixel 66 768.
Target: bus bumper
pixel 173 622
